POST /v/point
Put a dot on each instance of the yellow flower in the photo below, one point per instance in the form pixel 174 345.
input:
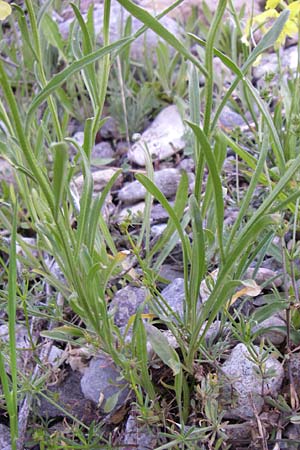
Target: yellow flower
pixel 5 10
pixel 291 27
pixel 260 20
pixel 272 4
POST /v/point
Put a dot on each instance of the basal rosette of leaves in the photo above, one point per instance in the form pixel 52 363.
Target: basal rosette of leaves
pixel 264 21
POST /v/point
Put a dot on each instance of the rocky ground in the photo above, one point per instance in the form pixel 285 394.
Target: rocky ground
pixel 80 382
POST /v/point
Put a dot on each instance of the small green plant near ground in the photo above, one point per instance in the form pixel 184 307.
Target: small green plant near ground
pixel 86 253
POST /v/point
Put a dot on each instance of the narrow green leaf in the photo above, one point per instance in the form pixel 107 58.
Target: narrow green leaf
pixel 60 78
pixel 61 158
pixel 217 185
pixel 266 311
pixel 198 266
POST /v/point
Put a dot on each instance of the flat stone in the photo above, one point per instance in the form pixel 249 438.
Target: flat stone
pixel 167 181
pixel 126 302
pixel 170 272
pixel 100 177
pixel 5 442
pixel 137 435
pixel 131 211
pixel 275 336
pixel 101 381
pixel 102 150
pixel 158 212
pixel 243 386
pixel 68 395
pixel 163 138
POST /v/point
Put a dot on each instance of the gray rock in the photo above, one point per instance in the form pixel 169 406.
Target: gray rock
pixel 103 150
pixel 136 211
pixel 243 386
pixel 269 62
pixel 102 382
pixel 158 213
pixel 5 442
pixel 68 395
pixel 187 164
pixel 100 177
pixel 293 433
pixel 174 295
pixel 239 431
pixel 294 366
pixel 142 47
pixel 157 230
pixel 110 129
pixel 167 181
pixel 275 336
pixel 263 275
pixel 170 272
pixel 22 343
pixel 229 119
pixel 163 138
pixel 138 436
pixel 126 302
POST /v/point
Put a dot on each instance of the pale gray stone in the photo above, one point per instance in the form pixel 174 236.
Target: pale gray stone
pixel 102 380
pixel 100 177
pixel 138 435
pixel 167 181
pixel 131 211
pixel 275 336
pixel 263 275
pixel 5 442
pixel 102 150
pixel 244 389
pixel 229 119
pixel 174 295
pixel 163 138
pixel 22 343
pixel 269 62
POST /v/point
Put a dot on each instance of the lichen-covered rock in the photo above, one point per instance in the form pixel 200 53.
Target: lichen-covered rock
pixel 243 387
pixel 126 302
pixel 4 437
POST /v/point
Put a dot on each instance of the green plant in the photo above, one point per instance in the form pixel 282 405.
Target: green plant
pixel 73 231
